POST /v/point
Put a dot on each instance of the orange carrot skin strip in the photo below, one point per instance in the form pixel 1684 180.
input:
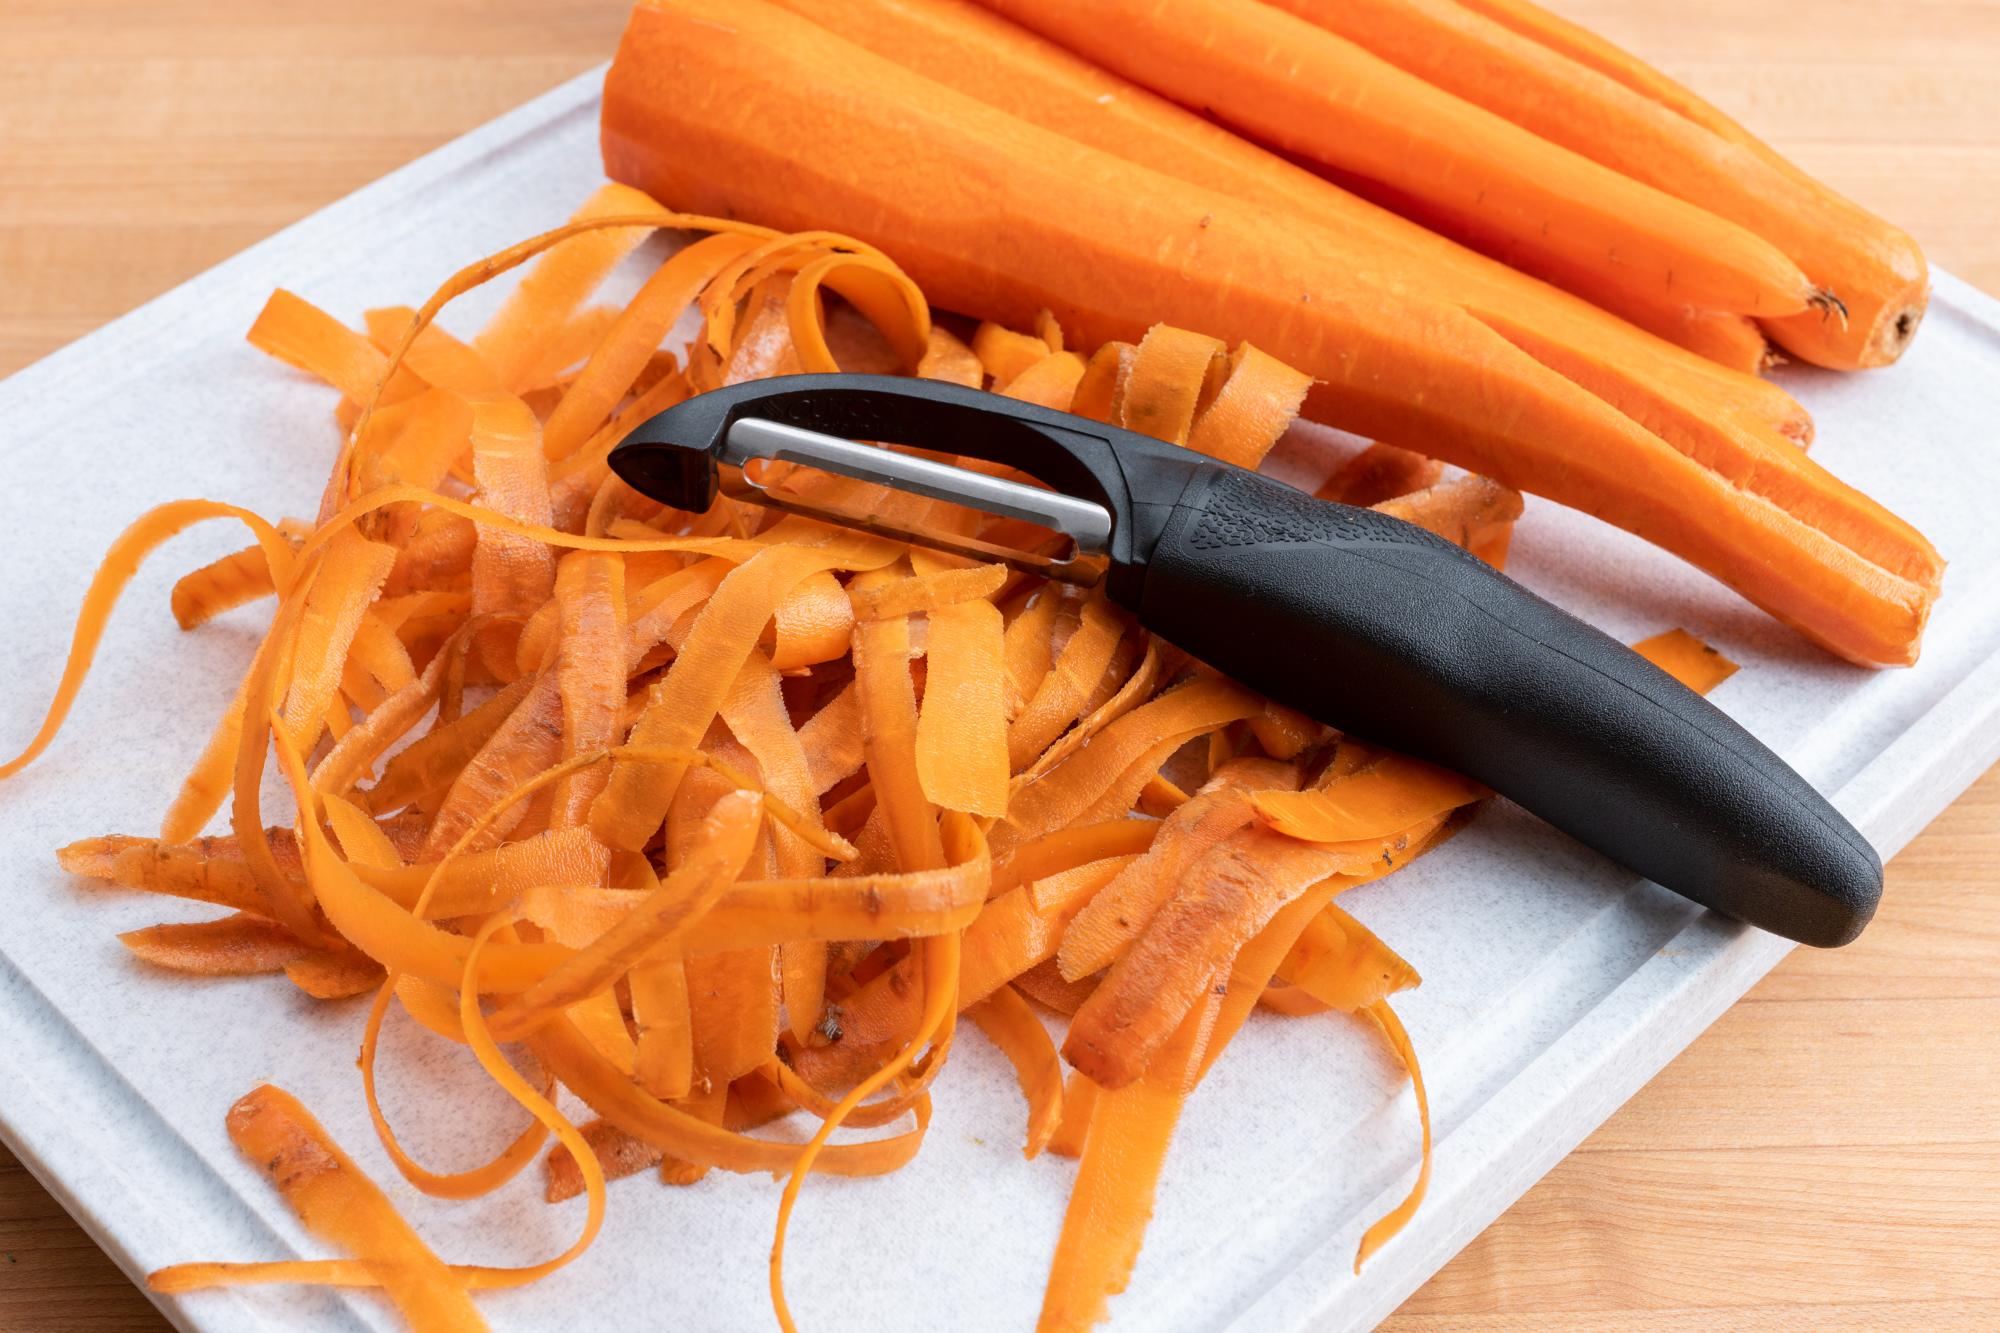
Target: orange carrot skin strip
pixel 209 870
pixel 558 284
pixel 1007 1019
pixel 1079 1101
pixel 1068 848
pixel 1063 692
pixel 241 945
pixel 1068 791
pixel 222 585
pixel 665 1057
pixel 510 574
pixel 1226 898
pixel 528 742
pixel 1123 910
pixel 1687 659
pixel 340 1204
pixel 889 723
pixel 811 624
pixel 1343 964
pixel 590 671
pixel 435 759
pixel 1043 984
pixel 1386 1227
pixel 640 328
pixel 329 975
pixel 622 1102
pixel 1394 793
pixel 1023 926
pixel 617 1152
pixel 1161 392
pixel 1112 1201
pixel 302 335
pixel 121 562
pixel 349 576
pixel 1256 404
pixel 961 739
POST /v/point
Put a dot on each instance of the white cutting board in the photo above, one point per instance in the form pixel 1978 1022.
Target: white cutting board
pixel 1555 984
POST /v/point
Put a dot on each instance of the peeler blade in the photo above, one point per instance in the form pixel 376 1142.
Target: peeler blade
pixel 1081 526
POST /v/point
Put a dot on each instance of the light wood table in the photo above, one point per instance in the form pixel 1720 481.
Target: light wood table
pixel 1827 1156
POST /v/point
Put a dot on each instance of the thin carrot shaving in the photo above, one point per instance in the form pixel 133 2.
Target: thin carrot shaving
pixel 1124 1151
pixel 930 591
pixel 1079 1101
pixel 234 580
pixel 1006 1018
pixel 1065 690
pixel 1388 796
pixel 1385 1228
pixel 947 358
pixel 1254 407
pixel 1116 917
pixel 961 735
pixel 889 733
pixel 1343 964
pixel 1005 354
pixel 812 623
pixel 337 1202
pixel 1167 382
pixel 1378 473
pixel 1043 984
pixel 1687 659
pixel 724 817
pixel 238 945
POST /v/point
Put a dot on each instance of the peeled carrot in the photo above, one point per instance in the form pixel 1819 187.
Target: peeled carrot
pixel 1404 361
pixel 983 55
pixel 1302 89
pixel 1667 134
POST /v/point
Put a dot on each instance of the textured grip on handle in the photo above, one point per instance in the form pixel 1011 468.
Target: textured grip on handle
pixel 1386 631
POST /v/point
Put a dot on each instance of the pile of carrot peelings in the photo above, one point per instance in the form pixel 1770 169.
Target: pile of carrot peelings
pixel 712 819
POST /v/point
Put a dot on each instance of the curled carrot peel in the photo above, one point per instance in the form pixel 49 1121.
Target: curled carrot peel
pixel 1394 1221
pixel 725 817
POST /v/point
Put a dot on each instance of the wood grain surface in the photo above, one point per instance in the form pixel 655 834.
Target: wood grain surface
pixel 1827 1156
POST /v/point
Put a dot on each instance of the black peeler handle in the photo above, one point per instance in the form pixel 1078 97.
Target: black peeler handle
pixel 1382 629
pixel 1374 626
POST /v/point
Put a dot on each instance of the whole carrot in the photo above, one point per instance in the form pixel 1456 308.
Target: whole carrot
pixel 745 109
pixel 1306 91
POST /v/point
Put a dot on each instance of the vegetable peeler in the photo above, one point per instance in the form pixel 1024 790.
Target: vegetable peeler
pixel 1367 623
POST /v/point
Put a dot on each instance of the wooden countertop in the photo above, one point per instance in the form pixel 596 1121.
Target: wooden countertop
pixel 1826 1156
